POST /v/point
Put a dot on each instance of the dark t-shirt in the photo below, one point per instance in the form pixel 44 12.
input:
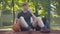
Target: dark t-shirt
pixel 26 16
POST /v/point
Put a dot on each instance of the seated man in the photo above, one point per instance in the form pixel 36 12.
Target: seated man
pixel 23 19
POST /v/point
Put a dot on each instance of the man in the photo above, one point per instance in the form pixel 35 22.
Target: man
pixel 23 19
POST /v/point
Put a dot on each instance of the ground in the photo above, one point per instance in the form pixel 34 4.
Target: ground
pixel 26 32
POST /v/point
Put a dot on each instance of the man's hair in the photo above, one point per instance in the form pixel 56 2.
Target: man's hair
pixel 25 3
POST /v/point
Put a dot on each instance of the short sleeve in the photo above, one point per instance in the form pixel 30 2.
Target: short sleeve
pixel 30 14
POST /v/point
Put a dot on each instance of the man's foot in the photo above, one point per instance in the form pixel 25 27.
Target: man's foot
pixel 31 30
pixel 45 31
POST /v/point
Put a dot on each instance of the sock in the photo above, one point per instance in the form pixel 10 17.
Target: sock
pixel 28 28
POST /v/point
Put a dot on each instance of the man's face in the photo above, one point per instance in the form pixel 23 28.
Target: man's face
pixel 25 7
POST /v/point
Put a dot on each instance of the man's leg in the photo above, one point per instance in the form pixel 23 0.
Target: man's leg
pixel 40 22
pixel 23 23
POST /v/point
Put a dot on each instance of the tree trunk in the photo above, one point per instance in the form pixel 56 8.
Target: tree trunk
pixel 13 11
pixel 48 11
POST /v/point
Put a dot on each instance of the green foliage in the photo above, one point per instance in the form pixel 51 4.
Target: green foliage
pixel 42 13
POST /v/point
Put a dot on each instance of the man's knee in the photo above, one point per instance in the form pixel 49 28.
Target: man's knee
pixel 21 17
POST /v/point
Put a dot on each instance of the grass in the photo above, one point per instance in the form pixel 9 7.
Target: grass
pixel 55 27
pixel 5 27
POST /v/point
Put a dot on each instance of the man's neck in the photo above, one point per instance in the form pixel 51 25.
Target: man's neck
pixel 24 11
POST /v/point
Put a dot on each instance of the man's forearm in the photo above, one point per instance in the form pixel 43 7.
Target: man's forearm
pixel 33 16
pixel 16 20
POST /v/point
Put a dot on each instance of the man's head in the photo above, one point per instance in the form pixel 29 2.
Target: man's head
pixel 25 6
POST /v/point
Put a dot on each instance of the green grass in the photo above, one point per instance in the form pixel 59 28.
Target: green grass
pixel 5 27
pixel 55 27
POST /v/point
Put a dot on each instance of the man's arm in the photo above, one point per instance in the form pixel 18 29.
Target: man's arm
pixel 17 17
pixel 33 16
pixel 15 20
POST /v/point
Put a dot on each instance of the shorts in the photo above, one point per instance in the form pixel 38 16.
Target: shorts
pixel 37 28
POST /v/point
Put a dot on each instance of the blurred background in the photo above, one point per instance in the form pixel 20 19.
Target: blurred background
pixel 49 10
